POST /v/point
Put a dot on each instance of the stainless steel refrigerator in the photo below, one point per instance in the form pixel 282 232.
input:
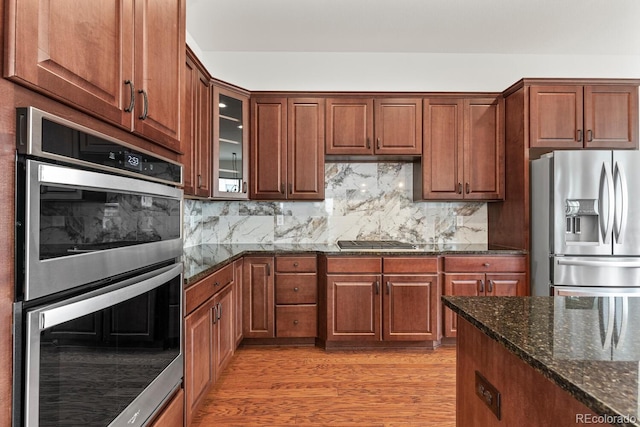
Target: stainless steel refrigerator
pixel 585 227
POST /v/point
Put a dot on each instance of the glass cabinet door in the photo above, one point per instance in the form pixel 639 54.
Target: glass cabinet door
pixel 230 144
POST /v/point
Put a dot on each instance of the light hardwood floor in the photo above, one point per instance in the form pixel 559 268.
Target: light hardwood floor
pixel 308 386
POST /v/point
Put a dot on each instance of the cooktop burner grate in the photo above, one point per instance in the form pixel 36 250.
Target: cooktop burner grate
pixel 374 244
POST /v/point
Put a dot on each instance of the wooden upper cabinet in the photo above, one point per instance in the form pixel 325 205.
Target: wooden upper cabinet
pixel 188 127
pixel 442 161
pixel 287 148
pixel 463 155
pixel 230 166
pixel 159 55
pixel 556 116
pixel 195 140
pixel 367 126
pixel 611 116
pixel 398 126
pixel 268 148
pixel 305 171
pixel 575 116
pixel 349 126
pixel 119 60
pixel 484 149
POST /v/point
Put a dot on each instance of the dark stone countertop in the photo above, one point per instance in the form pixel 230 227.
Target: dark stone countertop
pixel 565 339
pixel 202 260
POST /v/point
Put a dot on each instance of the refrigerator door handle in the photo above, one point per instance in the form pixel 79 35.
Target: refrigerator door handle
pixel 606 179
pixel 621 202
pixel 604 263
pixel 623 322
pixel 610 320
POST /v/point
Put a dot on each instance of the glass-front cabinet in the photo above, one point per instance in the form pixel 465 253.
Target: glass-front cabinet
pixel 230 144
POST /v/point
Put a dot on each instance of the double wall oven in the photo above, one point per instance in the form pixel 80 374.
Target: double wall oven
pixel 98 277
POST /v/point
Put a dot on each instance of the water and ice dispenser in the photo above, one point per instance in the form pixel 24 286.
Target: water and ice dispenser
pixel 581 221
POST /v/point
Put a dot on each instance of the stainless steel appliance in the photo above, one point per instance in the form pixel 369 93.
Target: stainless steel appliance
pixel 98 309
pixel 585 229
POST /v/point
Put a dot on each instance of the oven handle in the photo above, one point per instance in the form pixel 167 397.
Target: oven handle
pixel 78 178
pixel 97 300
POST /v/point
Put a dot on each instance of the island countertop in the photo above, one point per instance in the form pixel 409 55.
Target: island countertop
pixel 588 346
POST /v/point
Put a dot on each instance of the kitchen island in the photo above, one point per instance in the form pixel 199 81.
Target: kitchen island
pixel 540 361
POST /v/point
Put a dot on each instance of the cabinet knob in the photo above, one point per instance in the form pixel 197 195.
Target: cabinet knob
pixel 216 284
pixel 486 264
pixel 295 289
pixel 295 322
pixel 295 264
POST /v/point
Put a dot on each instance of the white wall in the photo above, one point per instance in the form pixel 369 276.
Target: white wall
pixel 306 71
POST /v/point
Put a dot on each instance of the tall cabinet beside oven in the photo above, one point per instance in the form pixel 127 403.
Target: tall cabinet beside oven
pixel 210 336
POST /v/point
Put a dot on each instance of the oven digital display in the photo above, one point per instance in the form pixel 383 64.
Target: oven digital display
pixel 133 161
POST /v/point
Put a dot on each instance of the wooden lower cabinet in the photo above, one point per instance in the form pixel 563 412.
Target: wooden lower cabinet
pixel 353 307
pixel 296 296
pixel 482 276
pixel 237 295
pixel 209 335
pixel 382 307
pixel 257 298
pixel 173 413
pixel 224 343
pixel 410 307
pixel 198 360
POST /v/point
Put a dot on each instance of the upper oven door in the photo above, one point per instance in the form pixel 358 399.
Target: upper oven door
pixel 82 226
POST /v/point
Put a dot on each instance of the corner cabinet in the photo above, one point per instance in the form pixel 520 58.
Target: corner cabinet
pixel 196 129
pixel 457 134
pixel 135 80
pixel 287 149
pixel 583 116
pixel 367 126
pixel 230 167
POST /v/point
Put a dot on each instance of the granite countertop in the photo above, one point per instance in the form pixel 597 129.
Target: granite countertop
pixel 202 260
pixel 565 338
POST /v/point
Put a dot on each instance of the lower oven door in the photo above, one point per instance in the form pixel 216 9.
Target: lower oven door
pixel 106 358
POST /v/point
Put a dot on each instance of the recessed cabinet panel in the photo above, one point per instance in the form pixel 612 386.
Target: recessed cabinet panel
pixel 556 116
pixel 611 116
pixel 268 148
pixel 349 126
pixel 305 166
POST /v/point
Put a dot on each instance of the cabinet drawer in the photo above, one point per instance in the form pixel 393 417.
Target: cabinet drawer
pixel 296 264
pixel 296 288
pixel 410 265
pixel 297 321
pixel 201 291
pixel 484 264
pixel 354 265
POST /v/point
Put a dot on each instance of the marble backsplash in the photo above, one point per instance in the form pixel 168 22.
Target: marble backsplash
pixel 362 201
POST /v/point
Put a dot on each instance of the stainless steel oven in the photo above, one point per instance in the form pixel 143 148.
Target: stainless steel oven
pixel 98 330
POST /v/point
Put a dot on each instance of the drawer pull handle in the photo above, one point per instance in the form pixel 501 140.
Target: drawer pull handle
pixel 295 322
pixel 481 286
pixel 295 289
pixel 490 285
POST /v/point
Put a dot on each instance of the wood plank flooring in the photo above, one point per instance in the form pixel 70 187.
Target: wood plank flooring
pixel 311 387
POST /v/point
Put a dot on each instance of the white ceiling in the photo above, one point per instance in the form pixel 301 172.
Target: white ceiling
pixel 575 27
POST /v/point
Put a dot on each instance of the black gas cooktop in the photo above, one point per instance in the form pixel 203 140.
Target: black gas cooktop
pixel 374 244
